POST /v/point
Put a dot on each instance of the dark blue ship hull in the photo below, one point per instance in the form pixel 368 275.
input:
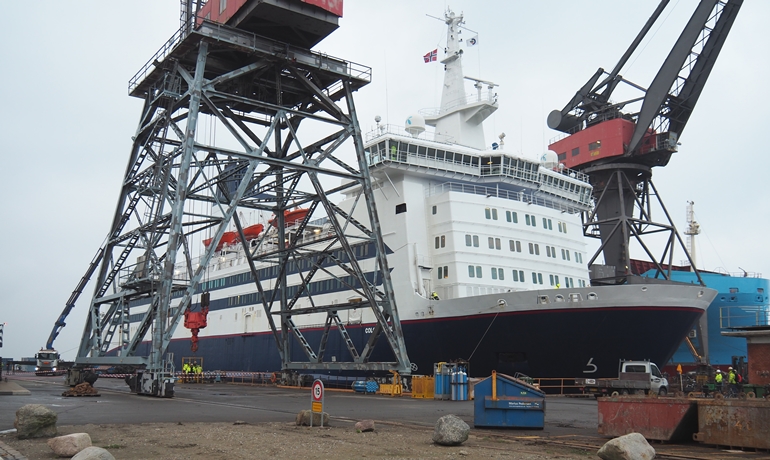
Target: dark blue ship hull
pixel 565 343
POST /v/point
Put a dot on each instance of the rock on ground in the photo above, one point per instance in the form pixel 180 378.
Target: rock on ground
pixel 81 389
pixel 450 430
pixel 69 445
pixel 303 418
pixel 35 421
pixel 365 426
pixel 93 453
pixel 632 446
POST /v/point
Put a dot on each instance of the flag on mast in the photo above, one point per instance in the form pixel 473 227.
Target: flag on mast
pixel 473 41
pixel 431 56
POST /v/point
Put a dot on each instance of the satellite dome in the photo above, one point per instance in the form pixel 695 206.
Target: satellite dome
pixel 549 159
pixel 415 125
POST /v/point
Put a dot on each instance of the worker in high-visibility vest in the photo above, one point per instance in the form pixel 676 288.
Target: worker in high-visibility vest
pixel 732 382
pixel 718 380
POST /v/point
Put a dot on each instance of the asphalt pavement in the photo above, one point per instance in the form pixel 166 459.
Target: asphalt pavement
pixel 227 402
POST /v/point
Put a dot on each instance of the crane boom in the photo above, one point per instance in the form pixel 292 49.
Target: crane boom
pixel 59 325
pixel 650 135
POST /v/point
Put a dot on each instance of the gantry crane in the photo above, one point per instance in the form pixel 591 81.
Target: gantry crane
pixel 180 188
pixel 618 148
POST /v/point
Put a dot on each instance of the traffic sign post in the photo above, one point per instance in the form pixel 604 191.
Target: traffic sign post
pixel 317 401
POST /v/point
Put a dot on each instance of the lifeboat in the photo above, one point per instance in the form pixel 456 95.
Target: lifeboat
pixel 228 238
pixel 291 217
pixel 253 231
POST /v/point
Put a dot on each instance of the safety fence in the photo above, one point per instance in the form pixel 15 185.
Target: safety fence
pixel 557 386
pixel 551 386
pixel 249 378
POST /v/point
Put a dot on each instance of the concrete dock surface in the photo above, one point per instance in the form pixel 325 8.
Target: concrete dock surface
pixel 568 421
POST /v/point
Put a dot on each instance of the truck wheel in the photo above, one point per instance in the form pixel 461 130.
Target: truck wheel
pixel 663 391
pixel 751 395
pixel 614 393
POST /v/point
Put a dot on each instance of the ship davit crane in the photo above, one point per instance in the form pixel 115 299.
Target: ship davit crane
pixel 618 146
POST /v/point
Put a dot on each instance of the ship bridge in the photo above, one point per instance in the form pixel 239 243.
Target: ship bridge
pixel 490 172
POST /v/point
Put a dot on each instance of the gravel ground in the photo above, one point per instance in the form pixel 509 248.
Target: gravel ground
pixel 286 440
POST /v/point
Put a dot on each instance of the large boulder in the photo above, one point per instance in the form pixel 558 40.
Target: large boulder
pixel 303 418
pixel 632 446
pixel 69 445
pixel 450 430
pixel 93 453
pixel 35 421
pixel 365 426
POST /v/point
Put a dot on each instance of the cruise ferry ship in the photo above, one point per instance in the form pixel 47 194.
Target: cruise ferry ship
pixel 487 258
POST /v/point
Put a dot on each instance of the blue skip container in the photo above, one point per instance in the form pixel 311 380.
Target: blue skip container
pixel 502 401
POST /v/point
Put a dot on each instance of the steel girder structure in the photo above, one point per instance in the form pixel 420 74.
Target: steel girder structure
pixel 179 189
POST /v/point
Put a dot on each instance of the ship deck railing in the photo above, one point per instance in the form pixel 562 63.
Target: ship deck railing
pixel 489 97
pixel 220 33
pixel 496 192
pixel 428 135
pixel 741 316
pixel 461 155
pixel 234 255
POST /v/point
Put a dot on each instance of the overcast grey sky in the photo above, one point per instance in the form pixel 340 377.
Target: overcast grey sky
pixel 66 120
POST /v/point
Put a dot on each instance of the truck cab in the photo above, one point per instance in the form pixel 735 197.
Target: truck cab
pixel 46 362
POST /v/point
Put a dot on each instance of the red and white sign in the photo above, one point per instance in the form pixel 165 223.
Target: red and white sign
pixel 317 400
pixel 317 391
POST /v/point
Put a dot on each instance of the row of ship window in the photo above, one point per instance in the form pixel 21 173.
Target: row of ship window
pixel 513 246
pixel 327 286
pixel 475 271
pixel 529 219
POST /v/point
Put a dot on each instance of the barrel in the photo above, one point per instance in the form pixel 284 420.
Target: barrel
pixel 359 386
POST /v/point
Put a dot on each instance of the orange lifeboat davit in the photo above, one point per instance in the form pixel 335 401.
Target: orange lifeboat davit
pixel 291 217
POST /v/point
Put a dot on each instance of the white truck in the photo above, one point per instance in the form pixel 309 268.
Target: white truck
pixel 634 377
pixel 47 363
